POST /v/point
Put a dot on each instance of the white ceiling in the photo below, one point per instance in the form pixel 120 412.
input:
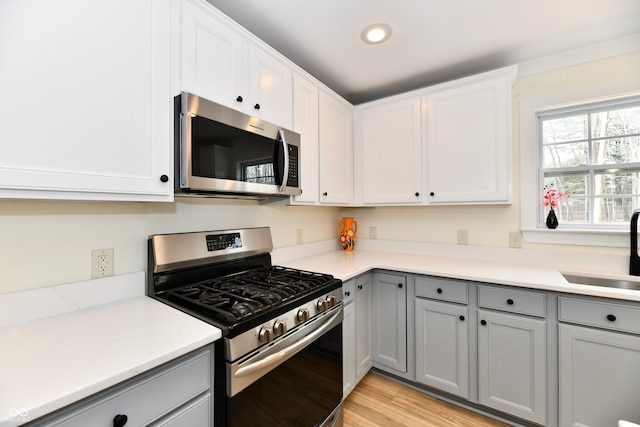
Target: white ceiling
pixel 432 40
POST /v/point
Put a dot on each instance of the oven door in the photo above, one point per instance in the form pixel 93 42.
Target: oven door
pixel 296 382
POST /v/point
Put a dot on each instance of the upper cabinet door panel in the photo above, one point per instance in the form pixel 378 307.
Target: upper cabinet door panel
pixel 90 111
pixel 469 142
pixel 391 153
pixel 212 57
pixel 271 88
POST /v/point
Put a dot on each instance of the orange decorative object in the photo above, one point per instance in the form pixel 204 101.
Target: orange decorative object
pixel 348 228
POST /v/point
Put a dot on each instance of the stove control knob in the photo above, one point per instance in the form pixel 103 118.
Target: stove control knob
pixel 322 305
pixel 265 334
pixel 280 327
pixel 303 315
pixel 331 301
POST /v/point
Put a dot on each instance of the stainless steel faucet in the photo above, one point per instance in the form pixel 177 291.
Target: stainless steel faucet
pixel 634 259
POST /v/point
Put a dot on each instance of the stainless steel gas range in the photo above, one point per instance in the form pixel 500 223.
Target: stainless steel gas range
pixel 279 363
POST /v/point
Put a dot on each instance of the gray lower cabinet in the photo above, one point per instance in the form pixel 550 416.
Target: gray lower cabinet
pixel 512 374
pixel 442 346
pixel 599 362
pixel 389 328
pixel 512 352
pixel 178 393
pixel 356 331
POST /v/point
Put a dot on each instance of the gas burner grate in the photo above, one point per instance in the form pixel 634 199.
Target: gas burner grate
pixel 236 297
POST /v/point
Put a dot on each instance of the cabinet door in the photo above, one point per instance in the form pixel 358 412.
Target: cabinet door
pixel 391 153
pixel 336 151
pixel 348 349
pixel 512 370
pixel 305 122
pixel 90 111
pixel 270 88
pixel 390 322
pixel 442 346
pixel 599 377
pixel 363 326
pixel 469 143
pixel 212 56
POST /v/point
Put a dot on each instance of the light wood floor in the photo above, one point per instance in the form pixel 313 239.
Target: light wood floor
pixel 380 402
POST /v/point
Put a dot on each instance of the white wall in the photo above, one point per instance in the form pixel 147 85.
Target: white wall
pixel 50 242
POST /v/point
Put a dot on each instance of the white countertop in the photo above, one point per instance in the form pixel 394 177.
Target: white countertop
pixel 80 347
pixel 528 274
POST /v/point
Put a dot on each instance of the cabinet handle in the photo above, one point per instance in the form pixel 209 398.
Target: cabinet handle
pixel 347 293
pixel 359 286
pixel 510 301
pixel 462 319
pixel 611 317
pixel 400 285
pixel 417 194
pixel 164 178
pixel 257 106
pixel 432 194
pixel 119 420
pixel 324 194
pixel 439 290
pixel 483 322
pixel 239 99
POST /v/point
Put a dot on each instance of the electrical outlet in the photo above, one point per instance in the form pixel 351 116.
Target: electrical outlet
pixel 515 240
pixel 463 237
pixel 373 233
pixel 299 239
pixel 101 263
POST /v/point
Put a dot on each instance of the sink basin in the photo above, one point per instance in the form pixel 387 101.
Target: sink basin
pixel 578 279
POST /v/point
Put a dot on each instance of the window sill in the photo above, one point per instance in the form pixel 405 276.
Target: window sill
pixel 559 236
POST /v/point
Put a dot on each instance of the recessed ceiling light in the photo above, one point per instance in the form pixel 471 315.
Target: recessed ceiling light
pixel 375 33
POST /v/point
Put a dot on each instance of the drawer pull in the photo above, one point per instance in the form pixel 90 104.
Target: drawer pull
pixel 611 317
pixel 510 301
pixel 483 322
pixel 347 293
pixel 120 420
pixel 462 318
pixel 439 290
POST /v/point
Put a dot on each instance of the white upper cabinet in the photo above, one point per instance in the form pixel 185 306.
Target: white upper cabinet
pixel 336 150
pixel 213 63
pixel 468 147
pixel 222 64
pixel 90 111
pixel 305 122
pixel 388 147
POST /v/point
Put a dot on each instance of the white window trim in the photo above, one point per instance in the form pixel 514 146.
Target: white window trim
pixel 530 201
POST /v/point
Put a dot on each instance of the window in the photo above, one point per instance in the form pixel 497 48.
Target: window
pixel 593 152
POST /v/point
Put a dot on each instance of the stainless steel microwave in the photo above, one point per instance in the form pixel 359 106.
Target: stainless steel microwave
pixel 223 152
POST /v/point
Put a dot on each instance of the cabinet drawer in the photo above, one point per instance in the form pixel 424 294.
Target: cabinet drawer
pixel 440 289
pixel 618 317
pixel 143 400
pixel 348 291
pixel 511 300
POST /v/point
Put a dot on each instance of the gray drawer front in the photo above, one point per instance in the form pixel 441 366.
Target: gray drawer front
pixel 348 290
pixel 625 318
pixel 511 300
pixel 442 289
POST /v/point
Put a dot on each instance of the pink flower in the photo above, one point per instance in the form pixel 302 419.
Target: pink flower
pixel 552 196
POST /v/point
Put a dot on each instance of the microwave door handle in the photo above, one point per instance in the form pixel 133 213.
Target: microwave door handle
pixel 285 171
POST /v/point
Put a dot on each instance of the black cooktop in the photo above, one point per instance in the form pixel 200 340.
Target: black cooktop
pixel 239 297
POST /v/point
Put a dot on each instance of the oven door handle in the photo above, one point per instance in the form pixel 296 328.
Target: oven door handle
pixel 290 350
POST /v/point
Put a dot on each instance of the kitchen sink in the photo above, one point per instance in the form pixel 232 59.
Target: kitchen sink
pixel 578 279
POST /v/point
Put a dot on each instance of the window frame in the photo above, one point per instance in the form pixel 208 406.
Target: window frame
pixel 532 228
